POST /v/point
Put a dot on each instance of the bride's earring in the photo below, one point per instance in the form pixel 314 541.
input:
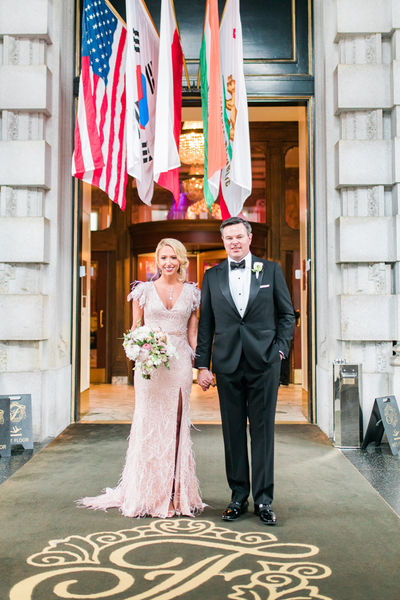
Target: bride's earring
pixel 158 273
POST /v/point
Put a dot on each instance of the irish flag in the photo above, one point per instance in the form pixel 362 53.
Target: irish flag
pixel 169 103
pixel 236 176
pixel 214 148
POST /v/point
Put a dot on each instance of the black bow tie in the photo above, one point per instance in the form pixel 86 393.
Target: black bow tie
pixel 238 265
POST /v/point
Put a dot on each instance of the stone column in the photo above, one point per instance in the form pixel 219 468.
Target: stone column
pixel 357 101
pixel 36 102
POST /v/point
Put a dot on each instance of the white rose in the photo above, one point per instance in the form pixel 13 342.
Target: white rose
pixel 132 352
pixel 142 333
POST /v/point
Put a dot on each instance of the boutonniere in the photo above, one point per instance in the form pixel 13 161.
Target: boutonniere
pixel 257 268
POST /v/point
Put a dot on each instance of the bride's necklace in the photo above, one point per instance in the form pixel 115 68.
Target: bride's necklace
pixel 170 291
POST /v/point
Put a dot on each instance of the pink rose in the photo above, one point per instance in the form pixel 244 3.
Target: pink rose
pixel 160 336
pixel 146 346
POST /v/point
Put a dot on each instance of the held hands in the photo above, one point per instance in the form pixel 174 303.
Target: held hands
pixel 205 378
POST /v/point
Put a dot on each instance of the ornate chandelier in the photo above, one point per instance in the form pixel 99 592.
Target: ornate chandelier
pixel 191 143
pixel 193 186
pixel 200 208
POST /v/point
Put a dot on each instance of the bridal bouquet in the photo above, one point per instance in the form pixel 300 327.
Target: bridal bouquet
pixel 149 348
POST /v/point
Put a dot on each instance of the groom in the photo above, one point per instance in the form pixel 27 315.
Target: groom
pixel 247 312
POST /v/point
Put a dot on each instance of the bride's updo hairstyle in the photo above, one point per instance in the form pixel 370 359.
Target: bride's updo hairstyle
pixel 180 252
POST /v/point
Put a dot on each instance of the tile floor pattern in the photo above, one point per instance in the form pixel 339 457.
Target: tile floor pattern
pixel 115 403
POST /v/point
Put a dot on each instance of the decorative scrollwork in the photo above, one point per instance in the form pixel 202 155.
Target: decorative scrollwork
pixel 275 580
pixel 390 415
pixel 166 559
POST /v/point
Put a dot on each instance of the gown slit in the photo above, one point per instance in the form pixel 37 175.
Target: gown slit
pixel 175 491
pixel 159 465
pixel 178 425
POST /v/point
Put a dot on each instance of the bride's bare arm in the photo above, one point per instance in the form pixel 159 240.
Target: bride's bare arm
pixel 137 313
pixel 192 330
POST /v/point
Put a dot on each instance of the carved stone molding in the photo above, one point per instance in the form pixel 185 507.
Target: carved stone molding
pixel 361 50
pixel 362 125
pixel 373 202
pixel 363 201
pixel 11 123
pixel 13 51
pixel 3 355
pixel 21 202
pixel 7 273
pixel 371 49
pixel 11 202
pixel 381 355
pixel 377 274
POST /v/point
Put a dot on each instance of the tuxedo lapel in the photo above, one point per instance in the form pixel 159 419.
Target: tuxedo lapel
pixel 223 278
pixel 255 283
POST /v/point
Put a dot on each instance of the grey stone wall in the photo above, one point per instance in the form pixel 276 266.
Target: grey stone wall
pixel 357 55
pixel 36 103
pixel 357 160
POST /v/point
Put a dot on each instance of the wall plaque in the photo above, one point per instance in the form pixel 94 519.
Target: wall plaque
pixel 20 420
pixel 5 445
pixel 385 417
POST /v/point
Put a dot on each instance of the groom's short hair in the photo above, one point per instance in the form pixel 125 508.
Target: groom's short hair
pixel 235 221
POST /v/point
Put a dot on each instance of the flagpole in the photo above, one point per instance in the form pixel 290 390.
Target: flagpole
pixel 186 71
pixel 204 27
pixel 110 6
pixel 223 13
pixel 149 15
pixel 179 33
pixel 198 77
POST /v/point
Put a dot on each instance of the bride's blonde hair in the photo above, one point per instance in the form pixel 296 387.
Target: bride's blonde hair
pixel 180 252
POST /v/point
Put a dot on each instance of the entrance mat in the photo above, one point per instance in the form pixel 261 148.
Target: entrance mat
pixel 335 539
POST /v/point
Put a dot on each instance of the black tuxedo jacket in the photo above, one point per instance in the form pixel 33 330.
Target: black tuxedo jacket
pixel 265 329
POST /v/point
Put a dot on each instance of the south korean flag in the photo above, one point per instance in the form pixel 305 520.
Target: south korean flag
pixel 141 81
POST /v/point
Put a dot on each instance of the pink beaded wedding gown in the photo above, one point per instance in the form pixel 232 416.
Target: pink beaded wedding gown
pixel 157 465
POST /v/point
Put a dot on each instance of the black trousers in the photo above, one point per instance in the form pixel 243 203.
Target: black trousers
pixel 249 394
pixel 285 371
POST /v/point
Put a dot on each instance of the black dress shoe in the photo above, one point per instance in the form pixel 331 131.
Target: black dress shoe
pixel 266 514
pixel 234 510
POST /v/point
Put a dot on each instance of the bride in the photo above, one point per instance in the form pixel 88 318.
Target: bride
pixel 159 477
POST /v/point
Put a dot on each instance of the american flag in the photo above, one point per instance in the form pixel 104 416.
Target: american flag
pixel 100 144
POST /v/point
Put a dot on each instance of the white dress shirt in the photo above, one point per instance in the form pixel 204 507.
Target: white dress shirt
pixel 239 284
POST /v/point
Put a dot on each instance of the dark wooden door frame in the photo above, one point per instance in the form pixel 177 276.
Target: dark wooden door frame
pixel 102 284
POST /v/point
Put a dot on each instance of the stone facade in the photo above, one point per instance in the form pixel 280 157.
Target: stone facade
pixel 357 161
pixel 36 123
pixel 357 193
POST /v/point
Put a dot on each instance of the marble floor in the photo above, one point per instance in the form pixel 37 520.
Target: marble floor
pixel 107 403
